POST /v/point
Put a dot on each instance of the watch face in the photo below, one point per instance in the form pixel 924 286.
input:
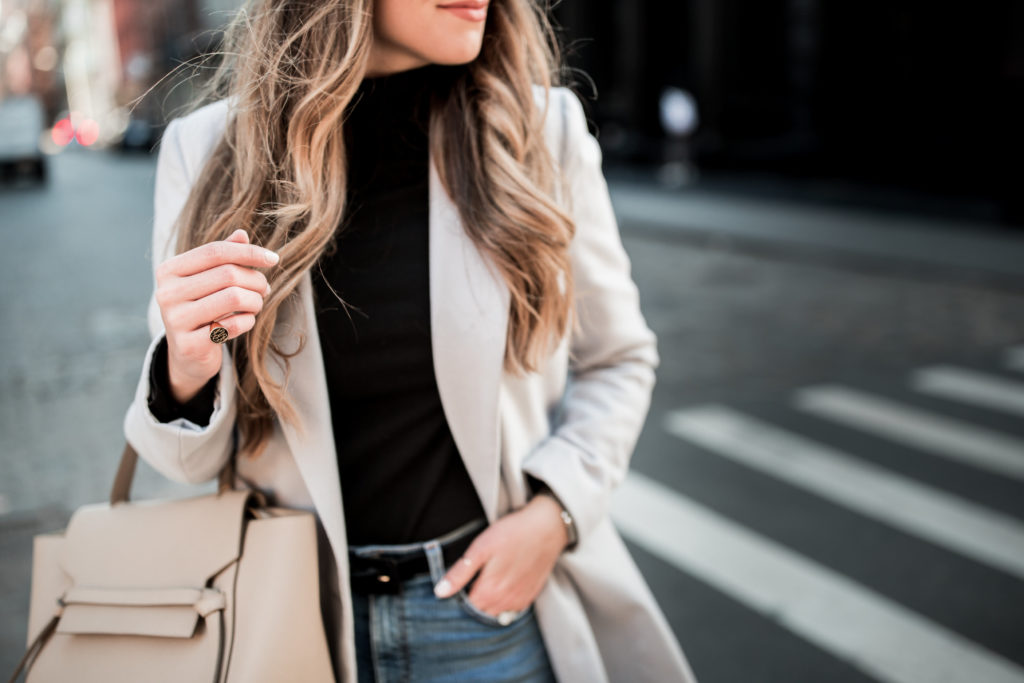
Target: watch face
pixel 570 527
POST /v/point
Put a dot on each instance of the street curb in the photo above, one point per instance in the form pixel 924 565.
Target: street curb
pixel 969 250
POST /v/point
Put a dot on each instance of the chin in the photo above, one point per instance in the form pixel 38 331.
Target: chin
pixel 456 59
pixel 457 52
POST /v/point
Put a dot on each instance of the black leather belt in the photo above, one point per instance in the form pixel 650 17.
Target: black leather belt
pixel 386 574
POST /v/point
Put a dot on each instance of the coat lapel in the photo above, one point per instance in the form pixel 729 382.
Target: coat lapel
pixel 312 442
pixel 469 317
pixel 469 304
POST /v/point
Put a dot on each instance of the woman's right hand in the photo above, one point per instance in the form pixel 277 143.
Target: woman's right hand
pixel 214 282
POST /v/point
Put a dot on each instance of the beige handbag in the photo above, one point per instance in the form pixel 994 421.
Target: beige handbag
pixel 219 587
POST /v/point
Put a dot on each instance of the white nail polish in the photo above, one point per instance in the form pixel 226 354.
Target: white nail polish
pixel 442 588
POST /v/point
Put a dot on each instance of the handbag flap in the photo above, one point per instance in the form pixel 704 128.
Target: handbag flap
pixel 154 544
pixel 169 612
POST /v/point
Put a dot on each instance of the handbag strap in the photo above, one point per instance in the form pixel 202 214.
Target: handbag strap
pixel 121 490
pixel 33 650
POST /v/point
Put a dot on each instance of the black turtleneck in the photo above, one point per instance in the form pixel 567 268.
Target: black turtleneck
pixel 402 477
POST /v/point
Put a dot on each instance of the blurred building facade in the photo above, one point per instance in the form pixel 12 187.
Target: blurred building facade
pixel 922 96
pixel 95 59
pixel 28 60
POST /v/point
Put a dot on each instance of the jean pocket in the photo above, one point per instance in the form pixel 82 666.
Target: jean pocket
pixel 513 617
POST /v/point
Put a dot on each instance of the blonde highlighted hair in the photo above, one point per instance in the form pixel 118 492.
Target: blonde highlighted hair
pixel 291 68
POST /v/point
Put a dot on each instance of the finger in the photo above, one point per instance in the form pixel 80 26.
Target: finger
pixel 195 287
pixel 236 325
pixel 222 303
pixel 495 590
pixel 463 570
pixel 240 236
pixel 213 254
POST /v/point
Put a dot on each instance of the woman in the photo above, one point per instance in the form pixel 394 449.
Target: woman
pixel 436 345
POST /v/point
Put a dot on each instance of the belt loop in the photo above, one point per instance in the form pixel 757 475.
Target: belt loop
pixel 435 559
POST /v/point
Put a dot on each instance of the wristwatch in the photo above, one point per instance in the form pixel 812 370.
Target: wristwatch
pixel 570 525
pixel 570 528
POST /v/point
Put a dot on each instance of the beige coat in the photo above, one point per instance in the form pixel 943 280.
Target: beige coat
pixel 573 425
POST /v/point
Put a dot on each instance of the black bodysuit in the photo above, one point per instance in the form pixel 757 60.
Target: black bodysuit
pixel 402 477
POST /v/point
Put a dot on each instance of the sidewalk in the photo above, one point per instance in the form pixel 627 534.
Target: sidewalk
pixel 973 248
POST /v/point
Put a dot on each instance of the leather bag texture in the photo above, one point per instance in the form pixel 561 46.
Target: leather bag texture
pixel 219 587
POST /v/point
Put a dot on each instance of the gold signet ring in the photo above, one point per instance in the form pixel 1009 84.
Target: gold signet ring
pixel 218 335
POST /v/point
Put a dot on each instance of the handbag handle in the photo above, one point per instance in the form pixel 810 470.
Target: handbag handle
pixel 121 490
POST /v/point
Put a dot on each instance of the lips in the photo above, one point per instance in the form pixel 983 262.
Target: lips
pixel 467 4
pixel 470 10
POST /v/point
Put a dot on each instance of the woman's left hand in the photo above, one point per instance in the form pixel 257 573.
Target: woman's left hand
pixel 514 556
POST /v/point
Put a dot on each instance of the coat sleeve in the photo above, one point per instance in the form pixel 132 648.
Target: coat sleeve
pixel 180 449
pixel 613 354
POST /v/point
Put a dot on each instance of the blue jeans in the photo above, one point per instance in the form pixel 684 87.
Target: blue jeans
pixel 415 636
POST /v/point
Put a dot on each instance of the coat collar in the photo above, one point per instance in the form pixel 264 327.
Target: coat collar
pixel 469 305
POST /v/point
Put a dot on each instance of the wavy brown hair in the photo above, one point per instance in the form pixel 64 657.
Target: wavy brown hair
pixel 291 69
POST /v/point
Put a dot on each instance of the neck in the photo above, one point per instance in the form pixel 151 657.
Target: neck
pixel 385 60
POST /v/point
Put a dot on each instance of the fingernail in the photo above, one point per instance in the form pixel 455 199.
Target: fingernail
pixel 272 256
pixel 443 588
pixel 267 293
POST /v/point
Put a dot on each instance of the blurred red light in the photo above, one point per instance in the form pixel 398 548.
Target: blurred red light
pixel 88 132
pixel 62 132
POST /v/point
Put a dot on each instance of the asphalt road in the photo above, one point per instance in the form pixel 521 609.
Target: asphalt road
pixel 821 493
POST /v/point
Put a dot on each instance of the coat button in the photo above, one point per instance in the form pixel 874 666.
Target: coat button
pixel 383 578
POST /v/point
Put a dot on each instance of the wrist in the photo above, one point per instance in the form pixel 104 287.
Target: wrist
pixel 558 514
pixel 183 387
pixel 552 512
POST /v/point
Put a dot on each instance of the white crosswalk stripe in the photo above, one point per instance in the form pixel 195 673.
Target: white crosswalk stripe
pixel 970 386
pixel 933 434
pixel 946 520
pixel 1015 358
pixel 882 638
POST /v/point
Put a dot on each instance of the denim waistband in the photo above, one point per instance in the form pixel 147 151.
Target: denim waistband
pixel 402 549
